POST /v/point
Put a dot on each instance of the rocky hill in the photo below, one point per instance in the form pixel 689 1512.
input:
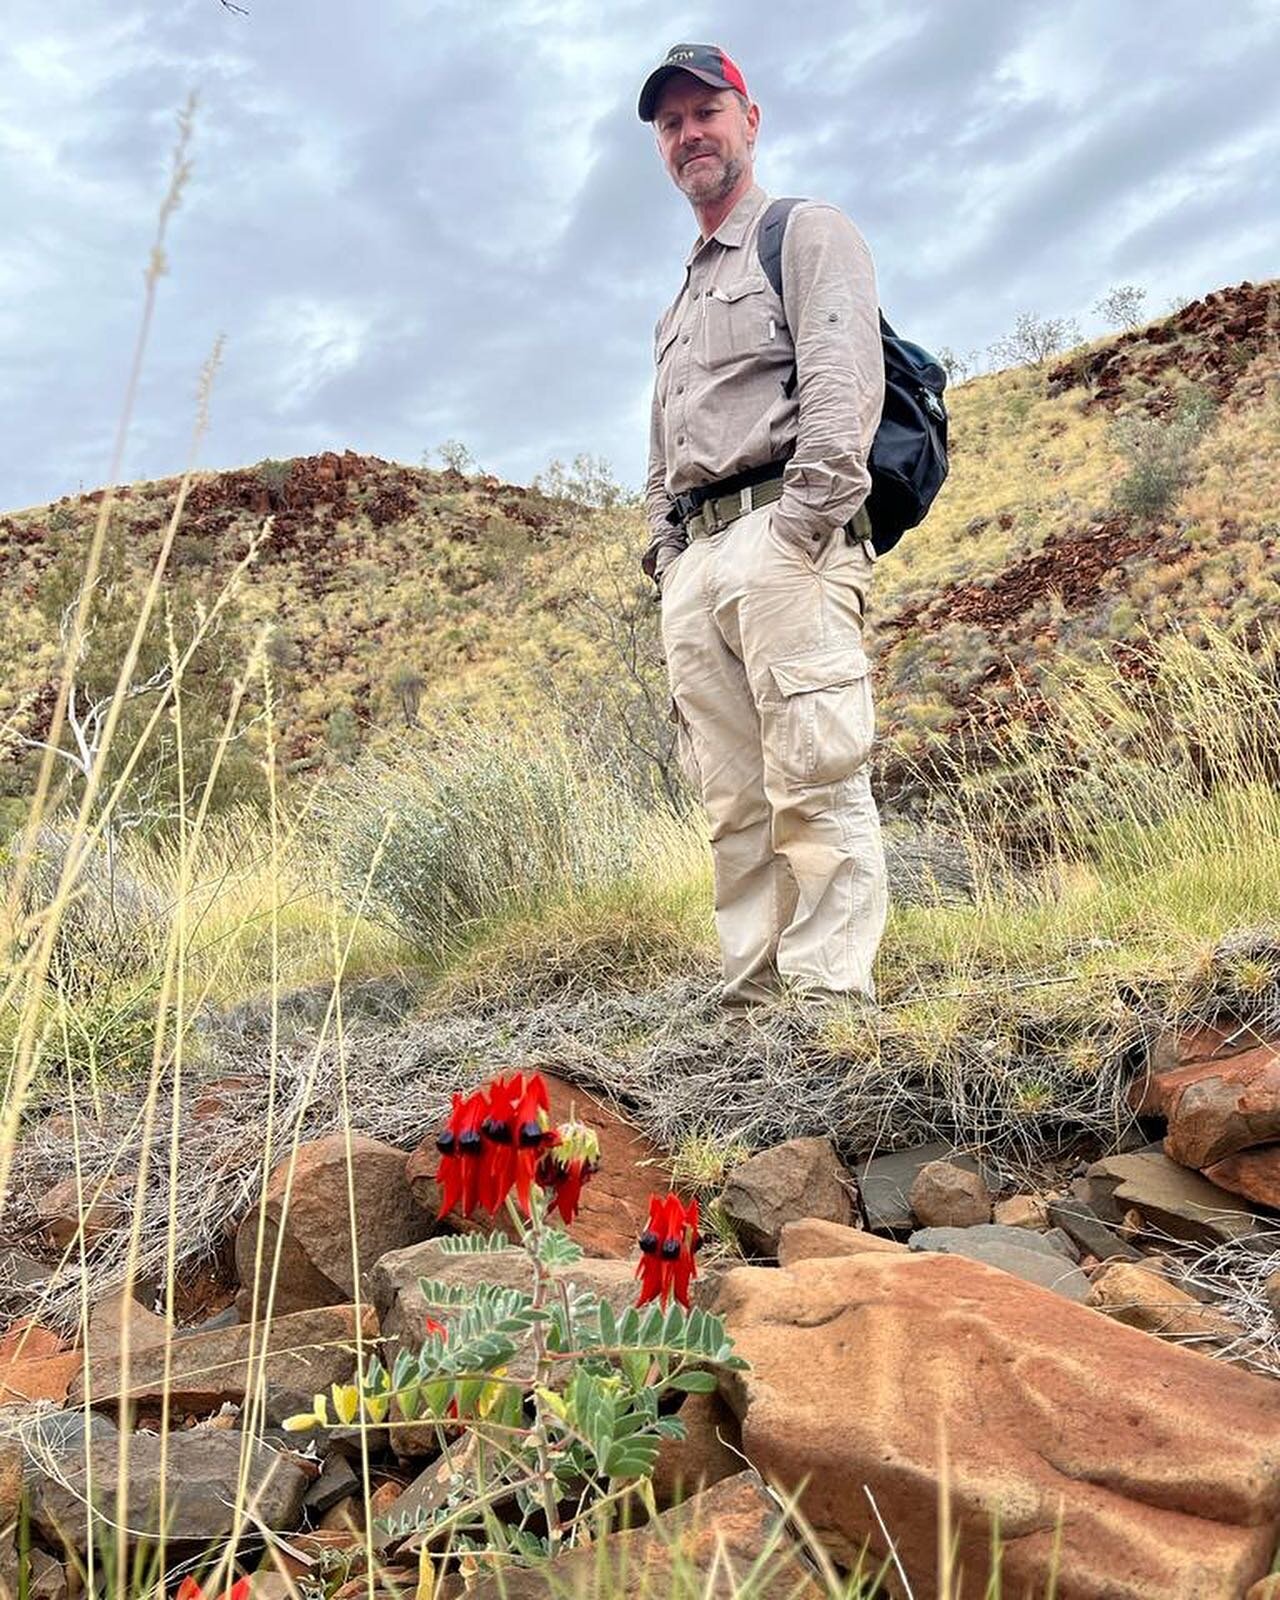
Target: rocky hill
pixel 1130 489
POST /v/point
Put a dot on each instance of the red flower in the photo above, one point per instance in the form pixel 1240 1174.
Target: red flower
pixel 492 1144
pixel 430 1325
pixel 667 1248
pixel 189 1589
pixel 567 1165
pixel 461 1150
pixel 515 1130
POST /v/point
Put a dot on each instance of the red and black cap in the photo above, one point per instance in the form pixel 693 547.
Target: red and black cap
pixel 705 61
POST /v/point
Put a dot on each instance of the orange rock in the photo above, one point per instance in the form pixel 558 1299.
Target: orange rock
pixel 1229 1106
pixel 47 1379
pixel 28 1340
pixel 313 1233
pixel 810 1237
pixel 94 1208
pixel 1253 1174
pixel 1155 1466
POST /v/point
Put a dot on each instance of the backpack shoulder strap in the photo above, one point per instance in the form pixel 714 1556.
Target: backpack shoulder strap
pixel 769 237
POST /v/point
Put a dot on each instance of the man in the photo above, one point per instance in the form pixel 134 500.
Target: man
pixel 763 418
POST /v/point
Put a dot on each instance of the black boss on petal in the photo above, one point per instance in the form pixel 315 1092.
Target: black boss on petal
pixel 648 1243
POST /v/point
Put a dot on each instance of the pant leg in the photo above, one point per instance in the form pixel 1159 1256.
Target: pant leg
pixel 755 895
pixel 795 623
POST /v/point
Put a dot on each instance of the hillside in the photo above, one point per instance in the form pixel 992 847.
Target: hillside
pixel 1133 487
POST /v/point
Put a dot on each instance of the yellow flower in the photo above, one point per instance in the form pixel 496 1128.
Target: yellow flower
pixel 346 1402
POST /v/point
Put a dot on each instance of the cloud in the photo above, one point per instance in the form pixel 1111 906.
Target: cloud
pixel 426 219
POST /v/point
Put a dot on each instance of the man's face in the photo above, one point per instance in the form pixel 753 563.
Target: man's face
pixel 706 137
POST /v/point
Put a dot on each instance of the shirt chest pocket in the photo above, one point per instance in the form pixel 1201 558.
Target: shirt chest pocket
pixel 738 319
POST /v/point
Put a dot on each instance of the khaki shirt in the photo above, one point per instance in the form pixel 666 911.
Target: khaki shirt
pixel 725 350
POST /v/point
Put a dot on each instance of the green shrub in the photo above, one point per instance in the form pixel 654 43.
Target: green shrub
pixel 1159 452
pixel 481 823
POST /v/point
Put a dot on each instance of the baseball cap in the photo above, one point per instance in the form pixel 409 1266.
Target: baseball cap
pixel 705 61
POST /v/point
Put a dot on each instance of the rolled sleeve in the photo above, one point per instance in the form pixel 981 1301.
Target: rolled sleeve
pixel 666 537
pixel 832 309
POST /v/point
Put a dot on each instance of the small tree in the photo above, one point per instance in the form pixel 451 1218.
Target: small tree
pixel 407 684
pixel 1121 307
pixel 454 457
pixel 1034 339
pixel 956 366
pixel 590 481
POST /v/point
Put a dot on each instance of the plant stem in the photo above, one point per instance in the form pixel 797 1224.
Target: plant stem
pixel 532 1240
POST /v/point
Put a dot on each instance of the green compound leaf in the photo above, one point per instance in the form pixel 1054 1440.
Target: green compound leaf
pixel 473 1244
pixel 632 1458
pixel 559 1250
pixel 693 1382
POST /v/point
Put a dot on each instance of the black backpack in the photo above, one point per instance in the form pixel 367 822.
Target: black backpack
pixel 909 453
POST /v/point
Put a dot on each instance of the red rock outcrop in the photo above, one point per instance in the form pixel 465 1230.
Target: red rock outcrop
pixel 1157 1469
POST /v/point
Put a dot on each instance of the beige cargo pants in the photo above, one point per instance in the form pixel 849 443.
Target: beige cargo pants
pixel 775 724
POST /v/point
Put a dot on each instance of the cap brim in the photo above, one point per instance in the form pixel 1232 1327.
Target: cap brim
pixel 654 82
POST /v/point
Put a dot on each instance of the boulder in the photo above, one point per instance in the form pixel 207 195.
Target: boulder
pixel 1145 1300
pixel 19 1268
pixel 107 1321
pixel 710 1451
pixel 1181 1057
pixel 615 1203
pixel 1155 1468
pixel 46 1379
pixel 1030 1256
pixel 801 1178
pixel 1091 1234
pixel 1271 1293
pixel 801 1241
pixel 305 1352
pixel 313 1231
pixel 201 1484
pixel 337 1482
pixel 93 1207
pixel 884 1184
pixel 1167 1198
pixel 944 1195
pixel 48 1577
pixel 730 1540
pixel 1253 1174
pixel 29 1340
pixel 1030 1211
pixel 1221 1107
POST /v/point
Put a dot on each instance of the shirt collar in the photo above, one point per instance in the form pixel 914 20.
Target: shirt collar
pixel 735 227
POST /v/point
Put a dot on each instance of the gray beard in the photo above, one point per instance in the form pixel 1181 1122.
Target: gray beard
pixel 716 190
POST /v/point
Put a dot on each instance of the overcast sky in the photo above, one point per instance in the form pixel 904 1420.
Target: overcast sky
pixel 417 220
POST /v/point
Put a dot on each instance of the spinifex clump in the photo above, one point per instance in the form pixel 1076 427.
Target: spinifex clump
pixel 546 1400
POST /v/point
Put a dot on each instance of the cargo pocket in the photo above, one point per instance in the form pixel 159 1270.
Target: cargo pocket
pixel 686 758
pixel 821 730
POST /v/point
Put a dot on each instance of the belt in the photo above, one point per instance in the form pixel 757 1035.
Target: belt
pixel 713 507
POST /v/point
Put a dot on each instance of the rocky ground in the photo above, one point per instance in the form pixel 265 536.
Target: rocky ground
pixel 1092 1359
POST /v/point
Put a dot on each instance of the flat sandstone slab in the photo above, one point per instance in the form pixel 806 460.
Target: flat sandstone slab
pixel 1161 1465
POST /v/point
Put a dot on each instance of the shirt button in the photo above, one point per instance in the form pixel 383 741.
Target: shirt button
pixel 685 340
pixel 679 438
pixel 679 388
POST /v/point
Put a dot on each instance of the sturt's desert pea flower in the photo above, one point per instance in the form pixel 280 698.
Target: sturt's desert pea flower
pixel 189 1589
pixel 567 1165
pixel 461 1148
pixel 493 1143
pixel 667 1249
